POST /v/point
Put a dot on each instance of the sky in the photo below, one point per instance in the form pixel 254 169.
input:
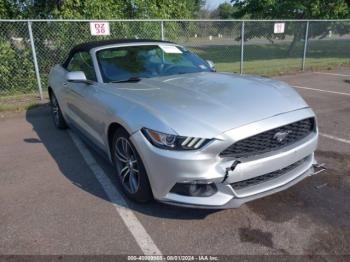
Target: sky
pixel 212 4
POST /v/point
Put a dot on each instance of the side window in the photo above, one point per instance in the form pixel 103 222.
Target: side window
pixel 82 61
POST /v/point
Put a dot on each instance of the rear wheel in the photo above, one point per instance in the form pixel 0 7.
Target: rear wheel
pixel 57 113
pixel 129 167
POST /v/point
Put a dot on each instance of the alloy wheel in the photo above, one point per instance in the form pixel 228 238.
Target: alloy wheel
pixel 127 165
pixel 55 110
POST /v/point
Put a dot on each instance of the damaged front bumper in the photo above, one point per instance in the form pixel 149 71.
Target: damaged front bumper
pixel 237 201
pixel 231 182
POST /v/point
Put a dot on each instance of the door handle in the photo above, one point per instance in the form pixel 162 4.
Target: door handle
pixel 65 83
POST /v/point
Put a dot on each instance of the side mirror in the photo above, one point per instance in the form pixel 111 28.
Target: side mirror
pixel 211 65
pixel 77 77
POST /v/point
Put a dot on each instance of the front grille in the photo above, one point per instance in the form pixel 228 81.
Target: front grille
pixel 268 141
pixel 264 178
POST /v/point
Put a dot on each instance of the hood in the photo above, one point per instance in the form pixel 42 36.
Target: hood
pixel 207 104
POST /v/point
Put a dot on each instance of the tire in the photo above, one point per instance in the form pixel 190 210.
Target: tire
pixel 56 113
pixel 129 168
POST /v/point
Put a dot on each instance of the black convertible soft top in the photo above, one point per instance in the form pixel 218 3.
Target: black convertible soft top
pixel 89 45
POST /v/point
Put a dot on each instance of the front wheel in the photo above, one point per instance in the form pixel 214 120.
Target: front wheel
pixel 56 112
pixel 130 169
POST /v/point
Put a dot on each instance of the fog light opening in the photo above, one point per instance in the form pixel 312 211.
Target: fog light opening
pixel 195 189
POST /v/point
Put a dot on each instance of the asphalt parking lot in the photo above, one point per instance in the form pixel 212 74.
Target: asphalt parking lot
pixel 56 198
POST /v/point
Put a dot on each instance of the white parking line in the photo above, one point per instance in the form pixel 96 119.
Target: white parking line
pixel 331 74
pixel 321 90
pixel 335 138
pixel 141 236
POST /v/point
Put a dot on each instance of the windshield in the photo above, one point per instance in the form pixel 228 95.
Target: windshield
pixel 145 61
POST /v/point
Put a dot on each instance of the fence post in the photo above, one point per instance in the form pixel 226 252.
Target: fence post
pixel 305 45
pixel 162 30
pixel 35 61
pixel 242 48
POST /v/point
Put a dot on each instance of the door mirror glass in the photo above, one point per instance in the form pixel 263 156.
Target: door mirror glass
pixel 76 76
pixel 211 65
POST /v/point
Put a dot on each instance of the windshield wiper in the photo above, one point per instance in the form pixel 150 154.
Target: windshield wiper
pixel 132 79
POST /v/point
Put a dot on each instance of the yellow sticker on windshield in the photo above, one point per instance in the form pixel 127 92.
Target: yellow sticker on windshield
pixel 171 49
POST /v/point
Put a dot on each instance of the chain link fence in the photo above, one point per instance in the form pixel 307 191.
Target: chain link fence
pixel 303 44
pixel 16 66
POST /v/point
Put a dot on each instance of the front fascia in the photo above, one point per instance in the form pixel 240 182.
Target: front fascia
pixel 165 168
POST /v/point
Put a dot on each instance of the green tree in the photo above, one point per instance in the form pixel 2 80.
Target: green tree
pixel 53 40
pixel 99 9
pixel 225 10
pixel 292 9
pixel 10 9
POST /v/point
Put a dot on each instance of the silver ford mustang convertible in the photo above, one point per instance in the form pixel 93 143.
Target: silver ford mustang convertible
pixel 179 132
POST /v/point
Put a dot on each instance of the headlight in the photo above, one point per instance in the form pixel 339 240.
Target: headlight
pixel 173 142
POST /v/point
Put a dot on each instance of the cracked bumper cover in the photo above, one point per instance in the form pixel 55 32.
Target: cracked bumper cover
pixel 166 168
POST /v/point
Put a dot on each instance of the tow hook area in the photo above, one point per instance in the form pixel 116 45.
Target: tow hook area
pixel 231 168
pixel 319 168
